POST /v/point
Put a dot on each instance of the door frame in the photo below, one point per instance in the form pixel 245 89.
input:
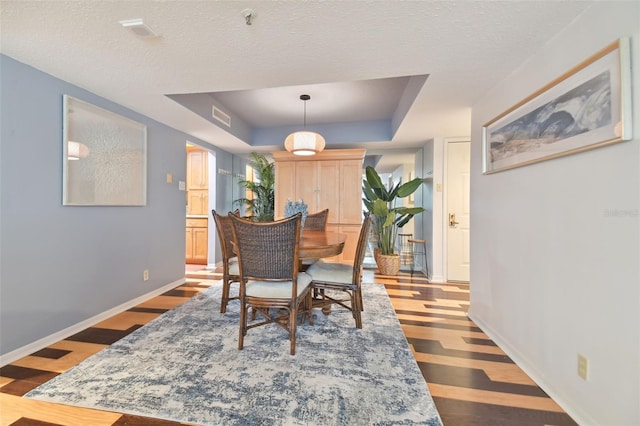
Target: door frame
pixel 445 203
pixel 211 226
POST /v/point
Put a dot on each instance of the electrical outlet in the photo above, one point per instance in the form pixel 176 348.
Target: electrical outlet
pixel 145 275
pixel 583 367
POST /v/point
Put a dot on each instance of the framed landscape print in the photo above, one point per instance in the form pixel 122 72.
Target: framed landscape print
pixel 104 157
pixel 587 107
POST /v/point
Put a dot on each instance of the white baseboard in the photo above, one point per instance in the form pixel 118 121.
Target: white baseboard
pixel 522 362
pixel 76 328
pixel 438 279
pixel 213 266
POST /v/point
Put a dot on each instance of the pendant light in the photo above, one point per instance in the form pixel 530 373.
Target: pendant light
pixel 304 142
pixel 76 150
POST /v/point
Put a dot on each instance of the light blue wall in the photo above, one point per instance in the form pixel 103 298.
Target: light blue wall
pixel 62 265
pixel 425 198
pixel 228 189
pixel 335 134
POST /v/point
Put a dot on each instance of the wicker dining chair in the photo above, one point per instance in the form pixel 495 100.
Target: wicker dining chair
pixel 270 283
pixel 317 221
pixel 331 279
pixel 230 270
pixel 314 222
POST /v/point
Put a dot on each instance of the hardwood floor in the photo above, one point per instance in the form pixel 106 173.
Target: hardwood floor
pixel 471 380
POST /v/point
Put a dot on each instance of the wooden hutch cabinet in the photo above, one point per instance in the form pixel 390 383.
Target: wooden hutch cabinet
pixel 331 179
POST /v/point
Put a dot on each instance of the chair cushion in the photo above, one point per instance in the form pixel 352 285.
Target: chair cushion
pixel 234 269
pixel 277 290
pixel 333 272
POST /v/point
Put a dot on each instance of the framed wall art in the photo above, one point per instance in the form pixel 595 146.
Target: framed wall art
pixel 585 108
pixel 104 157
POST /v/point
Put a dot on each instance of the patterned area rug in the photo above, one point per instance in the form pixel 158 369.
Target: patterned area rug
pixel 185 366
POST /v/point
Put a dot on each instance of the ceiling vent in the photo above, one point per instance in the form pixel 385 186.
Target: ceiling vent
pixel 221 116
pixel 138 27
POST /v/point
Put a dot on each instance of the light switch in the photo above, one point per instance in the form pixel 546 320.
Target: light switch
pixel 169 178
pixel 438 187
pixel 181 185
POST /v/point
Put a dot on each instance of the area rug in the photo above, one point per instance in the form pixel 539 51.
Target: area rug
pixel 185 366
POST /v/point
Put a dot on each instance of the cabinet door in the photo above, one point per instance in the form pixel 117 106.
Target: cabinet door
pixel 285 187
pixel 351 192
pixel 350 245
pixel 329 189
pixel 200 245
pixel 189 245
pixel 198 202
pixel 197 170
pixel 307 184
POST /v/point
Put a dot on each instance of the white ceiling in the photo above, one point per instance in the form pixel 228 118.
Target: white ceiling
pixel 354 58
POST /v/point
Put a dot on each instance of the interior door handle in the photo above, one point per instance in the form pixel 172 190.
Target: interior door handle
pixel 452 219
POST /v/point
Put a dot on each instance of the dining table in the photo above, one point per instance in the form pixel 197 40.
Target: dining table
pixel 320 244
pixel 317 244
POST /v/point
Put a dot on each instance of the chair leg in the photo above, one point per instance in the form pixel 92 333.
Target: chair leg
pixel 226 284
pixel 293 317
pixel 356 306
pixel 306 311
pixel 309 304
pixel 243 324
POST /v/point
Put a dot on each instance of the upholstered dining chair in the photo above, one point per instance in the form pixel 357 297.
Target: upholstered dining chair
pixel 314 222
pixel 331 280
pixel 230 270
pixel 270 283
pixel 317 221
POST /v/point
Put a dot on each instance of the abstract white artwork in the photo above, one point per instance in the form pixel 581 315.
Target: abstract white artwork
pixel 104 157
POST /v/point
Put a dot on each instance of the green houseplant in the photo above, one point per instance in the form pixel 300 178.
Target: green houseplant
pixel 387 216
pixel 260 207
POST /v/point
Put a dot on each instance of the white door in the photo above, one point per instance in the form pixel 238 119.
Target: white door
pixel 458 183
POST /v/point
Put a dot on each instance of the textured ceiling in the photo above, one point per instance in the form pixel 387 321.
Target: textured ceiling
pixel 205 47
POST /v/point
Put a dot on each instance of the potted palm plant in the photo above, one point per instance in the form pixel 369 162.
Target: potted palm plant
pixel 387 216
pixel 260 207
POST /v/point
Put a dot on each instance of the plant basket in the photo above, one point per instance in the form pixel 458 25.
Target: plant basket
pixel 388 264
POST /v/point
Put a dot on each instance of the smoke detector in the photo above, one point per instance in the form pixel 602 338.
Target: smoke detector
pixel 248 15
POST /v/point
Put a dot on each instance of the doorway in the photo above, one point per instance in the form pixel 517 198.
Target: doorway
pixel 200 196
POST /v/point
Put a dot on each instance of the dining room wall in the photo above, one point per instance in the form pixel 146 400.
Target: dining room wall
pixel 61 265
pixel 555 246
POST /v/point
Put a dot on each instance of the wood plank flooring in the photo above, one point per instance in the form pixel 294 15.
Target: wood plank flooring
pixel 471 380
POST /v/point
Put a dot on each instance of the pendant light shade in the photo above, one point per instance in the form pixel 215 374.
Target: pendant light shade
pixel 304 142
pixel 77 150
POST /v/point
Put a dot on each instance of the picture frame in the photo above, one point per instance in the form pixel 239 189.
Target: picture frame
pixel 587 107
pixel 104 157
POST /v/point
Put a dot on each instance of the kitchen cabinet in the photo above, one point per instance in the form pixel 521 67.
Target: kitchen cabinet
pixel 198 202
pixel 197 233
pixel 197 168
pixel 197 240
pixel 197 181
